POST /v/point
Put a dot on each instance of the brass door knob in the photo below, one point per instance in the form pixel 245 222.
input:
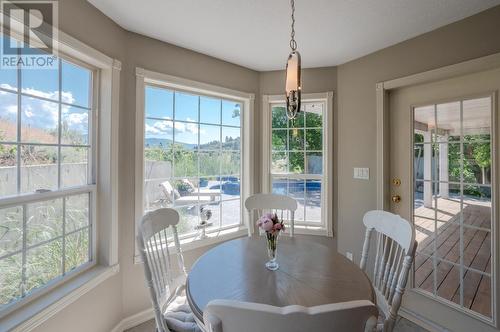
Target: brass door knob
pixel 396 198
pixel 396 182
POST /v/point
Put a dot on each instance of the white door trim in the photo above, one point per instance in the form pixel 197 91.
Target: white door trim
pixel 383 145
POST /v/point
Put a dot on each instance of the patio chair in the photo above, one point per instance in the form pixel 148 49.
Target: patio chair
pixel 174 198
pixel 202 191
pixel 165 272
pixel 394 253
pixel 233 316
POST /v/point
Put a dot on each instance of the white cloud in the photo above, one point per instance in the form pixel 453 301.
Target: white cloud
pixel 11 109
pixel 39 113
pixel 159 128
pixel 192 128
pixel 165 128
pixel 67 97
pixel 6 86
pixel 49 95
pixel 76 118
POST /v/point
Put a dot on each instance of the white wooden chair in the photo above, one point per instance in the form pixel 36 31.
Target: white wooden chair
pixel 283 206
pixel 233 316
pixel 394 253
pixel 165 271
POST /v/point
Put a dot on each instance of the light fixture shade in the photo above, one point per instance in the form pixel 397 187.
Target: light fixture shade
pixel 293 85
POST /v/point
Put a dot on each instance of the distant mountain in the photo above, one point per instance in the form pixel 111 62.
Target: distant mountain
pixel 230 143
pixel 156 142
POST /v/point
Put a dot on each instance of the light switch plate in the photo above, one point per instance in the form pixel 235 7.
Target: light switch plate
pixel 361 173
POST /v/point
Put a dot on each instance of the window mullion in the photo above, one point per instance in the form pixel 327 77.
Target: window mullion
pixel 25 240
pixel 198 162
pixel 18 145
pixel 461 239
pixel 220 166
pixel 63 260
pixel 49 195
pixel 59 130
pixel 173 140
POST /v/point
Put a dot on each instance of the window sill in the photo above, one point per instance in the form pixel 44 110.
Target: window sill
pixel 194 242
pixel 312 230
pixel 34 313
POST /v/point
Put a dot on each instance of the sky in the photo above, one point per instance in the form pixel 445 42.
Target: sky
pixel 159 108
pixel 44 114
pixel 216 115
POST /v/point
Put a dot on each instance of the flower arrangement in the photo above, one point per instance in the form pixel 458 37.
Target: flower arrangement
pixel 271 224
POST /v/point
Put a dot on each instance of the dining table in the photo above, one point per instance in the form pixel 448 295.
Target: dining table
pixel 311 273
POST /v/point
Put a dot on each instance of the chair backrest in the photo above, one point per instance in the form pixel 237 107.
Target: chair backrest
pixel 233 316
pixel 394 253
pixel 283 206
pixel 165 271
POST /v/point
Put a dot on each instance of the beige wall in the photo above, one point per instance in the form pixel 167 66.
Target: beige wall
pixel 354 133
pixel 470 38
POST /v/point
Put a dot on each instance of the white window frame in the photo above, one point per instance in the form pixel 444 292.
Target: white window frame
pixel 146 77
pixel 29 312
pixel 325 228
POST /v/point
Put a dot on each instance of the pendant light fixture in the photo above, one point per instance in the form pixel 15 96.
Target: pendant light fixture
pixel 293 83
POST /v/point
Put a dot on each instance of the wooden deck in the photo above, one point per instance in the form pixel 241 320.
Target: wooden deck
pixel 476 252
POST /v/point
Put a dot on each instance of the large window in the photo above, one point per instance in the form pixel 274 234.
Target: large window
pixel 193 157
pixel 46 176
pixel 453 173
pixel 298 161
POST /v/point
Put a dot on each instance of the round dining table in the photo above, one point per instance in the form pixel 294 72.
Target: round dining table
pixel 310 273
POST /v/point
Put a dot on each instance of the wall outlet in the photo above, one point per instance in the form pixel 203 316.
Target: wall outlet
pixel 361 173
pixel 349 256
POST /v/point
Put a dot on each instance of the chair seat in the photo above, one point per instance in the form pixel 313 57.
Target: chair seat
pixel 179 317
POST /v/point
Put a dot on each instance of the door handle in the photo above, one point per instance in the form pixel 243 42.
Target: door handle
pixel 396 198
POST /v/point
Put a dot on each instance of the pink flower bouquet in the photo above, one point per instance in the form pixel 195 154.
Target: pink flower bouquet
pixel 271 224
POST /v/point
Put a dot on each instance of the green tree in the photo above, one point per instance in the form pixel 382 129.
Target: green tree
pixel 482 156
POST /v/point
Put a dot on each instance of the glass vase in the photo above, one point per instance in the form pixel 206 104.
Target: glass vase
pixel 272 251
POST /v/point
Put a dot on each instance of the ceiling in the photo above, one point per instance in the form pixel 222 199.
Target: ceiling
pixel 473 119
pixel 255 33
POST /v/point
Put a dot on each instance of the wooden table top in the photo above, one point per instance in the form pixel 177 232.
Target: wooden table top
pixel 310 274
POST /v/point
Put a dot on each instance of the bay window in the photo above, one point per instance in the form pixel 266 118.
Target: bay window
pixel 47 176
pixel 192 153
pixel 296 158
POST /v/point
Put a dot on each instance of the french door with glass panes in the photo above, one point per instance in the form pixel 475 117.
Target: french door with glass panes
pixel 442 138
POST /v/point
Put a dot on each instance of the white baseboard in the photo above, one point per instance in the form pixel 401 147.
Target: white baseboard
pixel 134 320
pixel 421 321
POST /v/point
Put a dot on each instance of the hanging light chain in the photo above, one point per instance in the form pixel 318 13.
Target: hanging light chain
pixel 293 43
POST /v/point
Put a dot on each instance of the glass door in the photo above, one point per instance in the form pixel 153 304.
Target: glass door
pixel 452 213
